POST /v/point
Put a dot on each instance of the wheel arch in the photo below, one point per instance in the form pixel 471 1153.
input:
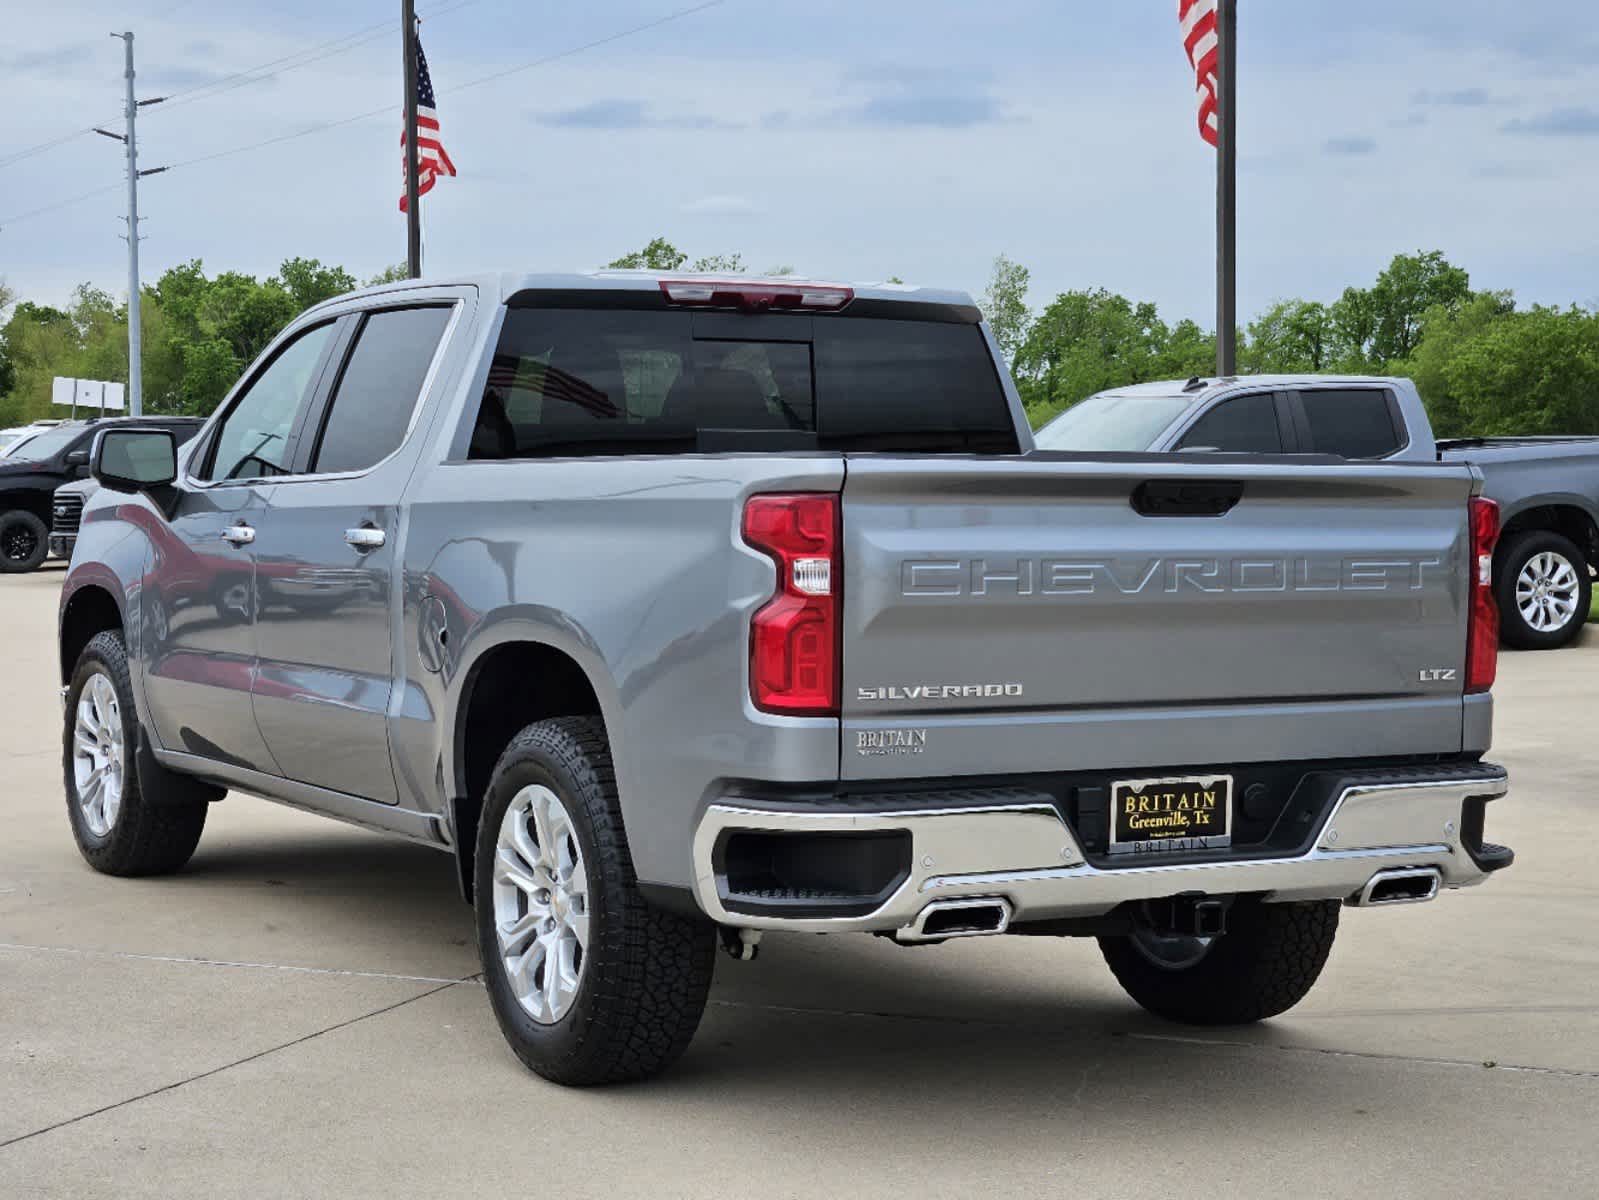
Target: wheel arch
pixel 516 680
pixel 1568 516
pixel 88 610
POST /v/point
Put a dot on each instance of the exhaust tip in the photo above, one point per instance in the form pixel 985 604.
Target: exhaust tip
pixel 942 919
pixel 1410 886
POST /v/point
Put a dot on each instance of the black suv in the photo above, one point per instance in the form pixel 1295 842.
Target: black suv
pixel 30 475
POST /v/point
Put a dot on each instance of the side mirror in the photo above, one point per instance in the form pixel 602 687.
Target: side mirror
pixel 78 458
pixel 134 460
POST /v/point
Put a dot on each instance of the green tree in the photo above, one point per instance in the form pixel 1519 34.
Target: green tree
pixel 719 264
pixel 1087 341
pixel 1290 337
pixel 308 282
pixel 1004 305
pixel 393 273
pixel 1382 324
pixel 1487 369
pixel 658 255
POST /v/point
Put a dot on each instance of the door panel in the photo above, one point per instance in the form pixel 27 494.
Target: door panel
pixel 322 636
pixel 196 610
pixel 325 561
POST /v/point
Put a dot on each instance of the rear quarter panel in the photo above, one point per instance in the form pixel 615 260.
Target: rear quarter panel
pixel 634 568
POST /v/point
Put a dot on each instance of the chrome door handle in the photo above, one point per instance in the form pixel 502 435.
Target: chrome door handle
pixel 365 538
pixel 240 534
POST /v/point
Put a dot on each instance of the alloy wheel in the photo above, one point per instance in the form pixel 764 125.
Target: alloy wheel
pixel 19 543
pixel 1547 591
pixel 541 911
pixel 98 758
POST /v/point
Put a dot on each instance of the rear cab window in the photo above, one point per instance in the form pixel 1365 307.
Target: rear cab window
pixel 658 380
pixel 1240 425
pixel 1351 422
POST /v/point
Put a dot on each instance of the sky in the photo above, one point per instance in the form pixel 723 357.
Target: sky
pixel 849 139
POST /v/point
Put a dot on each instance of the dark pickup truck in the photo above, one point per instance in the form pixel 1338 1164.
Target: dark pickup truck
pixel 30 474
pixel 1547 488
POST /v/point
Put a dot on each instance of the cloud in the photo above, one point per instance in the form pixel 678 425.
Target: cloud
pixel 959 111
pixel 1472 97
pixel 1349 145
pixel 618 114
pixel 725 205
pixel 1511 171
pixel 1558 122
pixel 1408 121
pixel 30 61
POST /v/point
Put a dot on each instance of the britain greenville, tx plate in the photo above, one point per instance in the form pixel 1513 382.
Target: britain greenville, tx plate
pixel 1170 815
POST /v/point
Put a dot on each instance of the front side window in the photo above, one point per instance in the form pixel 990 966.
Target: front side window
pixel 1242 425
pixel 1354 423
pixel 253 439
pixel 372 406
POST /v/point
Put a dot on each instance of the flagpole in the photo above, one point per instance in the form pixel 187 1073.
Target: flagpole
pixel 1227 188
pixel 413 202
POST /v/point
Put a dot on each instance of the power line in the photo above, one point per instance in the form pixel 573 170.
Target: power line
pixel 471 83
pixel 324 126
pixel 306 55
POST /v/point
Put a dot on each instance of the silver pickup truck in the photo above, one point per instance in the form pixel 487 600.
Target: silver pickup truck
pixel 678 610
pixel 1547 488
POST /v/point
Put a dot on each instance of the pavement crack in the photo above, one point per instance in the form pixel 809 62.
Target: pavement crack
pixel 238 1062
pixel 1177 1038
pixel 185 960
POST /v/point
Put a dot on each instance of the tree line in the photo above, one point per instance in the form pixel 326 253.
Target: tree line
pixel 1483 364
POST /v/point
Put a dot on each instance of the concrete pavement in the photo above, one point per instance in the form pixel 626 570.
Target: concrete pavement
pixel 297 1015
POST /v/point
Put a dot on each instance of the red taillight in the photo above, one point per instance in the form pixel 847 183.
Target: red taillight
pixel 794 641
pixel 1482 626
pixel 753 296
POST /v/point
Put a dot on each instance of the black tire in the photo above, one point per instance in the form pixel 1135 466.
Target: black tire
pixel 24 542
pixel 1513 557
pixel 646 971
pixel 162 814
pixel 1266 962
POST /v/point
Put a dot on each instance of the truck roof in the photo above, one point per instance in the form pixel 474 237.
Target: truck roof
pixel 505 284
pixel 1205 387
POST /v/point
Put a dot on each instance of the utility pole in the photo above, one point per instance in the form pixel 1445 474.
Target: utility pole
pixel 413 202
pixel 129 140
pixel 1227 187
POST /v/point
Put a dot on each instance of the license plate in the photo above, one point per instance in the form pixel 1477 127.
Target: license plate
pixel 1165 816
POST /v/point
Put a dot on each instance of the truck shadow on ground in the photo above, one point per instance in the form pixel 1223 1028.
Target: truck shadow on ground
pixel 813 1015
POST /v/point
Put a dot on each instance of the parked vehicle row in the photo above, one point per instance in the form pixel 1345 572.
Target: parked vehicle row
pixel 679 609
pixel 1547 488
pixel 34 468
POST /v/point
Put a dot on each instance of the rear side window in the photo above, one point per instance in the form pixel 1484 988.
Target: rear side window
pixel 377 393
pixel 1242 425
pixel 580 381
pixel 1355 423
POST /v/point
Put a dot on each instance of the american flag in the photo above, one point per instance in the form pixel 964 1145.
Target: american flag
pixel 1200 39
pixel 431 160
pixel 510 371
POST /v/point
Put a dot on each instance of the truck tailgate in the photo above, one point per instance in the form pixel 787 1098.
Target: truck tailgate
pixel 1023 615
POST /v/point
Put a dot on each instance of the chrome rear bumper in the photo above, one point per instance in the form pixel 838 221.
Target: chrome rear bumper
pixel 1026 854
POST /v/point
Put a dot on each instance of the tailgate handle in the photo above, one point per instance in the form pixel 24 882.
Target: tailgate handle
pixel 1187 498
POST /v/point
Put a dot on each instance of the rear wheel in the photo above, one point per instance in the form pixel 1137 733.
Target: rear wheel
pixel 129 815
pixel 1543 590
pixel 1267 962
pixel 24 542
pixel 589 983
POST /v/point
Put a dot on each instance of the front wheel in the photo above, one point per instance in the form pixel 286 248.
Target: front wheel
pixel 129 815
pixel 24 542
pixel 590 984
pixel 1543 590
pixel 1266 962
